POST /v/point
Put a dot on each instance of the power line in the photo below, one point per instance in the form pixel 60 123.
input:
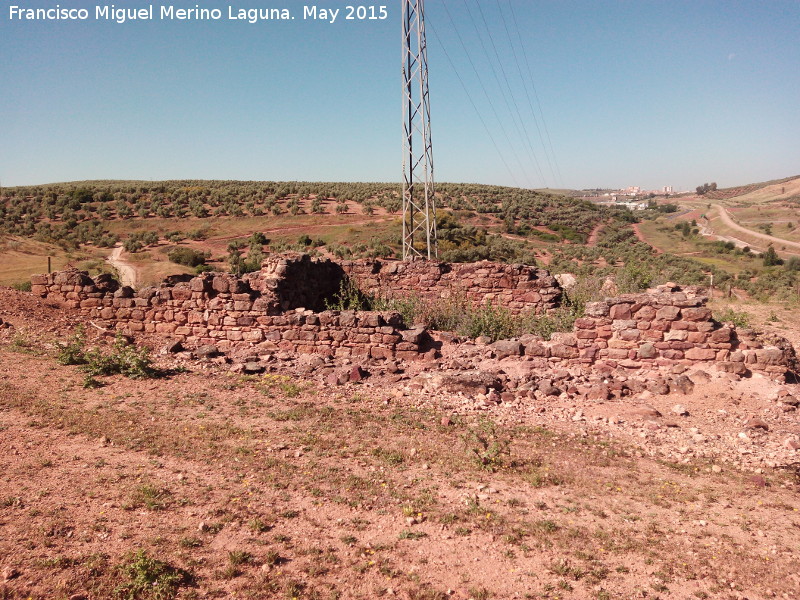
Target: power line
pixel 486 93
pixel 472 102
pixel 510 89
pixel 500 87
pixel 552 153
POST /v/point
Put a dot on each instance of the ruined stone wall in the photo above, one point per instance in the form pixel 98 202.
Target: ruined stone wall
pixel 519 288
pixel 665 327
pixel 224 311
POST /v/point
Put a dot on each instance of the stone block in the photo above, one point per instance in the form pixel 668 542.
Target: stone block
pixel 700 354
pixel 696 314
pixel 668 313
pixel 676 336
pixel 620 311
pixel 645 313
pixel 596 309
pixel 647 350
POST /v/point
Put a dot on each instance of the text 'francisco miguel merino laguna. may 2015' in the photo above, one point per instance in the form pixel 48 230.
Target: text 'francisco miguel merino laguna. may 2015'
pixel 112 13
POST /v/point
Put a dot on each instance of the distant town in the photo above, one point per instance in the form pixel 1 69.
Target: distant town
pixel 633 197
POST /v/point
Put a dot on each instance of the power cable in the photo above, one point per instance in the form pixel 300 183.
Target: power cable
pixel 488 97
pixel 557 173
pixel 531 153
pixel 472 102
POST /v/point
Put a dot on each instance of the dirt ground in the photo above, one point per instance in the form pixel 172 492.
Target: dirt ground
pixel 206 483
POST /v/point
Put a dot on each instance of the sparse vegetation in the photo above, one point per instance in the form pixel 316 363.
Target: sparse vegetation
pixel 150 579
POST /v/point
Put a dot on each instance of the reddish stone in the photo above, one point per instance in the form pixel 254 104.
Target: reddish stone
pixel 700 354
pixel 620 311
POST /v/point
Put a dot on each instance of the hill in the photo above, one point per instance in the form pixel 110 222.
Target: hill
pixel 342 219
pixel 767 191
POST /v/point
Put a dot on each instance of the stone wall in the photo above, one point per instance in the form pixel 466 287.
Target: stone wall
pixel 665 327
pixel 270 311
pixel 519 288
pixel 221 310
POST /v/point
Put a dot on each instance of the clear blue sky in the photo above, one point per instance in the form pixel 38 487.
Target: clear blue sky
pixel 634 92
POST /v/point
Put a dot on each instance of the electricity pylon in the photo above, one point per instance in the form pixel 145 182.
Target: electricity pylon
pixel 419 204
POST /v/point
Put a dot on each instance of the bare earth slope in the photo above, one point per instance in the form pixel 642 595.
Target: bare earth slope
pixel 281 486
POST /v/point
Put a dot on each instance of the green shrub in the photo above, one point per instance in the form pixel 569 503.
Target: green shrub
pixel 187 256
pixel 488 445
pixel 22 286
pixel 349 297
pixel 124 359
pixel 495 322
pixel 150 579
pixel 72 353
pixel 739 318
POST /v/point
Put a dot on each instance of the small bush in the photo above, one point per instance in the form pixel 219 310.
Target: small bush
pixel 22 286
pixel 125 359
pixel 187 257
pixel 72 353
pixel 488 320
pixel 739 318
pixel 349 297
pixel 150 579
pixel 488 445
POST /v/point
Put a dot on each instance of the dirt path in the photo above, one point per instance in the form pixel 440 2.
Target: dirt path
pixel 592 239
pixel 127 272
pixel 729 222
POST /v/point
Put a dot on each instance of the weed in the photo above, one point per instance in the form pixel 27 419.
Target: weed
pixel 150 579
pixel 22 286
pixel 488 320
pixel 22 345
pixel 190 542
pixel 124 359
pixel 407 534
pixel 479 593
pixel 488 445
pixel 259 526
pixel 90 383
pixel 72 353
pixel 272 558
pixel 239 557
pixel 293 589
pixel 546 526
pixel 391 457
pixel 564 569
pixel 349 297
pixel 288 386
pixel 149 497
pixel 739 319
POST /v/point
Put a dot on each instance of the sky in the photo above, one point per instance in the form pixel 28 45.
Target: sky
pixel 530 93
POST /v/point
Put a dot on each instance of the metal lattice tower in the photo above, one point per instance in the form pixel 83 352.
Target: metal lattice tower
pixel 419 205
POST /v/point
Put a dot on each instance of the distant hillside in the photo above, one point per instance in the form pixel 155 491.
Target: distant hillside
pixel 751 189
pixel 83 212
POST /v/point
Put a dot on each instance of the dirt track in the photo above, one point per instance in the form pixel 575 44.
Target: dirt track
pixel 127 272
pixel 729 222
